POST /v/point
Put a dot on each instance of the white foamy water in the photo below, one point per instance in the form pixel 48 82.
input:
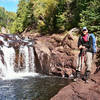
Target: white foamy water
pixel 2 68
pixel 23 53
pixel 7 66
pixel 28 58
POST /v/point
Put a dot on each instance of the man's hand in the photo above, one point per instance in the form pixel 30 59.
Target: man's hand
pixel 81 47
pixel 84 49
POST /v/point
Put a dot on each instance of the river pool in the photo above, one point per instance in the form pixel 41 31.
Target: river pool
pixel 31 88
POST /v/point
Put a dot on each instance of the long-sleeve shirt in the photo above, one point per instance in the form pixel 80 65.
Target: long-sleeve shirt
pixel 88 44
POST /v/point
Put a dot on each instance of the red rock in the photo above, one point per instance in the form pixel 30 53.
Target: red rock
pixel 56 52
pixel 81 90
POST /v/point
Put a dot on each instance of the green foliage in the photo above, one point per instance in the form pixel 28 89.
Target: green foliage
pixel 29 17
pixel 78 7
pixel 62 19
pixel 91 16
pixel 44 13
pixel 10 19
pixel 50 16
pixel 57 15
pixel 3 17
pixel 0 27
pixel 98 42
pixel 6 18
pixel 18 25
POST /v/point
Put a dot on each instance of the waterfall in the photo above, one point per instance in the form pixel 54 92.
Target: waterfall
pixel 24 66
pixel 27 54
pixel 9 57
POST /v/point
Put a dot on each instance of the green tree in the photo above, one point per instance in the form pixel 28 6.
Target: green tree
pixel 10 19
pixel 77 7
pixel 91 16
pixel 29 18
pixel 43 15
pixel 63 15
pixel 6 18
pixel 18 25
pixel 3 17
pixel 44 12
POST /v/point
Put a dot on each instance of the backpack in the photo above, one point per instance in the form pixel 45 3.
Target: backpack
pixel 94 42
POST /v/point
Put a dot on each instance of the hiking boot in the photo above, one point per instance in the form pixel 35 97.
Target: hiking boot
pixel 86 75
pixel 77 76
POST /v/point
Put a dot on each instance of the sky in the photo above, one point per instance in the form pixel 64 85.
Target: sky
pixel 9 5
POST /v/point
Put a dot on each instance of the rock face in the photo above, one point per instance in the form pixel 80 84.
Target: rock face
pixel 56 54
pixel 42 57
pixel 81 90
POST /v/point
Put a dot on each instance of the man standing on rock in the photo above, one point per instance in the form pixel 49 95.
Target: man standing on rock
pixel 85 45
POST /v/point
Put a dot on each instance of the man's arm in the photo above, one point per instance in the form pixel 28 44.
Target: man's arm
pixel 80 46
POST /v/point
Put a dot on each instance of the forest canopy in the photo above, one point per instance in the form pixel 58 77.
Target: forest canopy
pixel 57 15
pixel 53 16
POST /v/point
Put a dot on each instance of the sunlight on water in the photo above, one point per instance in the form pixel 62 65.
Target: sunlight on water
pixel 20 75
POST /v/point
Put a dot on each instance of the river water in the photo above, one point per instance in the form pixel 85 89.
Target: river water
pixel 31 88
pixel 18 79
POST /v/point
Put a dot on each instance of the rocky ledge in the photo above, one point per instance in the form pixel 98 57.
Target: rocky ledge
pixel 80 90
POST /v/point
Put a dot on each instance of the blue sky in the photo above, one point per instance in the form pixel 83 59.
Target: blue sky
pixel 9 5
